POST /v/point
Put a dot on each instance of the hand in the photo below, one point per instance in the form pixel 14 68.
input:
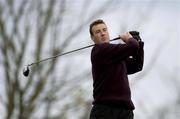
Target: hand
pixel 126 36
pixel 135 35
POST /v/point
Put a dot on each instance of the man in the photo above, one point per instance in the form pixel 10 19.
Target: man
pixel 111 63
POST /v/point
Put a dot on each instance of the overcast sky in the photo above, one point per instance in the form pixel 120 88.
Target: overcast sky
pixel 160 31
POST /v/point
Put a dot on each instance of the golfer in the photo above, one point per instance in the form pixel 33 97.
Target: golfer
pixel 111 64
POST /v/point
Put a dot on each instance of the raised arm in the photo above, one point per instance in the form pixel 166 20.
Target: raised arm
pixel 135 63
pixel 111 53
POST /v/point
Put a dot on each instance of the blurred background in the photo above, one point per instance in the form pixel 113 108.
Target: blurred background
pixel 31 30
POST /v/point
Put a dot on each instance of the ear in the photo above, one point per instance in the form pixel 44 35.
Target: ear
pixel 92 37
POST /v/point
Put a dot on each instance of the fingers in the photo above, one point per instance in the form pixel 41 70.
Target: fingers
pixel 126 36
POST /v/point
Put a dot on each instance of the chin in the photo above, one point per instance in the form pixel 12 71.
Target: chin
pixel 105 41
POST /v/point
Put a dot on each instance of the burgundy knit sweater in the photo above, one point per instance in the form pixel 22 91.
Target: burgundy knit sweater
pixel 111 63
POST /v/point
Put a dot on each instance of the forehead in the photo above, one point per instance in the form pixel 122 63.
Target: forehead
pixel 98 27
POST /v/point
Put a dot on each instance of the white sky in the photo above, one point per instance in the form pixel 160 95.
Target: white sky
pixel 161 27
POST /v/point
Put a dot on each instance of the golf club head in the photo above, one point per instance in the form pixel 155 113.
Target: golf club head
pixel 26 71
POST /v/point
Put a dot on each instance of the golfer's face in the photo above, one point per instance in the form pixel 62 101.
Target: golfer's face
pixel 100 34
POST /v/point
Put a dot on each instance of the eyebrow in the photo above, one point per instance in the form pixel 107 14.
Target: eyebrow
pixel 102 29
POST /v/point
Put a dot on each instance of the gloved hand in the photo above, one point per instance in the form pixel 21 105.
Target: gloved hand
pixel 135 35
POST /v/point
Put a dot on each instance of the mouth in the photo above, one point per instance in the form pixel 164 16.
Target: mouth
pixel 104 39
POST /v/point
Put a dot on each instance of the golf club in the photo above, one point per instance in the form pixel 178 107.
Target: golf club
pixel 26 70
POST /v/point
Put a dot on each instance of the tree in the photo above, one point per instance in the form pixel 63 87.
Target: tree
pixel 29 31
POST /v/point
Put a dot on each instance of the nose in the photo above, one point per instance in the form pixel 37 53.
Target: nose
pixel 103 33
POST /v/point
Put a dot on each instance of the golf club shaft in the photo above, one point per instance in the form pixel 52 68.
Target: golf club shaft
pixel 53 57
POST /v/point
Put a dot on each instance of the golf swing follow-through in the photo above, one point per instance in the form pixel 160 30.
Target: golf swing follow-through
pixel 111 65
pixel 26 70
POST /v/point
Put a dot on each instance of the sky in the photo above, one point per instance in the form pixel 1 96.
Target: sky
pixel 159 29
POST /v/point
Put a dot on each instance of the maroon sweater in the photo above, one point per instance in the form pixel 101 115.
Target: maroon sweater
pixel 111 63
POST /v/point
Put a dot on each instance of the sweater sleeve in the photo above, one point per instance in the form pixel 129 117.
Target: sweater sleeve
pixel 112 53
pixel 135 63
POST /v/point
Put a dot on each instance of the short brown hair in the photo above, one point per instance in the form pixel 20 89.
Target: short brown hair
pixel 99 21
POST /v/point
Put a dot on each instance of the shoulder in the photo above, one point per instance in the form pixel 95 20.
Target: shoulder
pixel 98 49
pixel 100 46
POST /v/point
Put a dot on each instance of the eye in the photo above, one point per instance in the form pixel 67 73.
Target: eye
pixel 105 29
pixel 98 31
